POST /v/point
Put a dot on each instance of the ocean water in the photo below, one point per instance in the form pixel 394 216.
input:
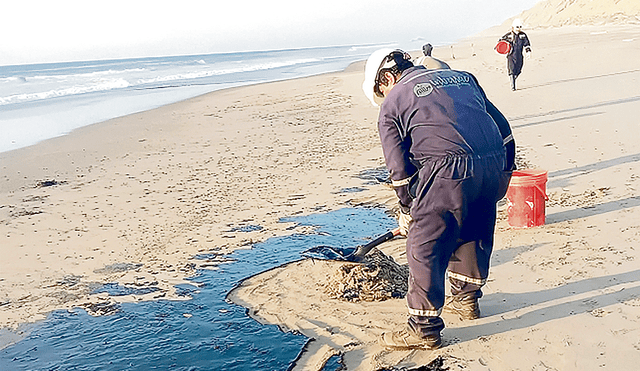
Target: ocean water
pixel 204 333
pixel 42 101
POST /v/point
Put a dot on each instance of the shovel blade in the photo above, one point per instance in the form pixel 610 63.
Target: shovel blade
pixel 329 253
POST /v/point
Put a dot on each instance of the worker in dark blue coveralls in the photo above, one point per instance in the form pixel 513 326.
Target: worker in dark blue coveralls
pixel 450 154
pixel 519 42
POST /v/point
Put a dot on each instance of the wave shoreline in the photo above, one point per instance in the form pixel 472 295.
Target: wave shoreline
pixel 38 106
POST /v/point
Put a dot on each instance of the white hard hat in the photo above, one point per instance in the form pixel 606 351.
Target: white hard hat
pixel 374 62
pixel 516 23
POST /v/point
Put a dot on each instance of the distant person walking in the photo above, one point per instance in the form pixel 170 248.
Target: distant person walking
pixel 515 59
pixel 428 61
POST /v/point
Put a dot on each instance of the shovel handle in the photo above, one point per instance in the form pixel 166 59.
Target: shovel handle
pixel 361 251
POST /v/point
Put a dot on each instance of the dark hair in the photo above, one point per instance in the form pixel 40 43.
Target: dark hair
pixel 401 60
pixel 426 49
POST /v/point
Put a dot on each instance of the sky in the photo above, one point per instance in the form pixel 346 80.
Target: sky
pixel 37 31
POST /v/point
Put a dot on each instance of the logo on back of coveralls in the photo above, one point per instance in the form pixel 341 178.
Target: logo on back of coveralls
pixel 422 90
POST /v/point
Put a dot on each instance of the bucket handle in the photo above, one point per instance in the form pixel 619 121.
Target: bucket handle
pixel 546 198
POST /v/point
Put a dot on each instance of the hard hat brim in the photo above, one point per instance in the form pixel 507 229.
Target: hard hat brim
pixel 371 73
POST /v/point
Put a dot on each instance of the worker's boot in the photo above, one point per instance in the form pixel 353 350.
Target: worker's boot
pixel 406 338
pixel 419 333
pixel 465 306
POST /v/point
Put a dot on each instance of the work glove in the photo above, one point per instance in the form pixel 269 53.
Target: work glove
pixel 404 220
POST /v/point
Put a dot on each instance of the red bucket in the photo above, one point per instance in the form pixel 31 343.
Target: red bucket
pixel 503 47
pixel 526 195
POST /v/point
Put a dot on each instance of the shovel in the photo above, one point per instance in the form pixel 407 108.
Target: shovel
pixel 349 254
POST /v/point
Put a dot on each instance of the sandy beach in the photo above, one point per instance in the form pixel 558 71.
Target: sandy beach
pixel 134 199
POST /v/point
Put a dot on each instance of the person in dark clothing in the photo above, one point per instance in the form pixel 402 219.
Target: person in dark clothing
pixel 450 153
pixel 519 42
pixel 428 61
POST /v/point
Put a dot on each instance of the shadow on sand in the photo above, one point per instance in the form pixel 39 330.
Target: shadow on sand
pixel 522 310
pixel 569 110
pixel 579 79
pixel 563 178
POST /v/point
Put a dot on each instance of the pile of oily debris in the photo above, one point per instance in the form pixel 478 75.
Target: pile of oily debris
pixel 377 278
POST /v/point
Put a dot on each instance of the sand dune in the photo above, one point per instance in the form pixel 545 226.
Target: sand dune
pixel 556 13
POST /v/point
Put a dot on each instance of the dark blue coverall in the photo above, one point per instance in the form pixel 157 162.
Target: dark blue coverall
pixel 440 125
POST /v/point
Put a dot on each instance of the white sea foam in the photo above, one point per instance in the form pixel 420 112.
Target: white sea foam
pixel 43 101
pixel 370 47
pixel 224 71
pixel 85 75
pixel 105 84
pixel 11 79
pixel 68 84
